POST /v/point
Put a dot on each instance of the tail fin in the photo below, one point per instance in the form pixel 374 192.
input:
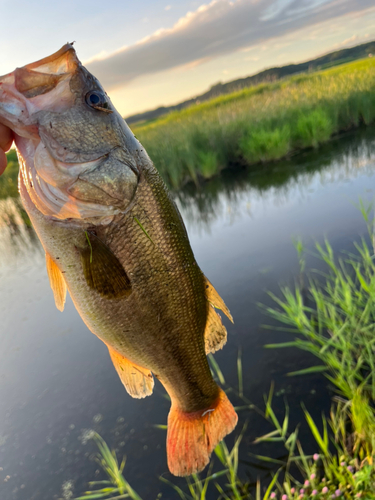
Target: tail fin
pixel 192 437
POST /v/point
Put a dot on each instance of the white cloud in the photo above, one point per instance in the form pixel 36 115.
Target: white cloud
pixel 351 41
pixel 215 29
pixel 167 7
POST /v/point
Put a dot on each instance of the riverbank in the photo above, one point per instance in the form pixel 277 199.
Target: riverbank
pixel 260 124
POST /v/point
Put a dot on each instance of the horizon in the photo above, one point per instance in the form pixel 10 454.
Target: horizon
pixel 224 82
pixel 159 53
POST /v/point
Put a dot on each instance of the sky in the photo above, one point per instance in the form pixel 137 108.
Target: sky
pixel 148 53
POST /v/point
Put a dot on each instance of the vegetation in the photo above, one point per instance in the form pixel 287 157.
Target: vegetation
pixel 333 318
pixel 8 181
pixel 262 123
pixel 268 75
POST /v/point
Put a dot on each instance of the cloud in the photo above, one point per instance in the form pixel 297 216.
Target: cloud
pixel 216 29
pixel 353 40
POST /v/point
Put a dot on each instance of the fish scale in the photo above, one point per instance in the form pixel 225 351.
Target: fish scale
pixel 129 270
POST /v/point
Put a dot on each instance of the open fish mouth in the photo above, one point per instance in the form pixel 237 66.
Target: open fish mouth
pixel 46 104
pixel 20 89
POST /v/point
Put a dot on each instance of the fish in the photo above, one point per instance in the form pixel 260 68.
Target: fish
pixel 115 240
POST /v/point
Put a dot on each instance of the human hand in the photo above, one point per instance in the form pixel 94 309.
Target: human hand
pixel 6 139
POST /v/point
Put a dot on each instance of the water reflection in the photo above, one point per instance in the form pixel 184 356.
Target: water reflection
pixel 237 189
pixel 18 241
pixel 225 196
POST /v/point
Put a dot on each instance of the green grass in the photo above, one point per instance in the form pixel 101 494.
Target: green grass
pixel 260 124
pixel 116 486
pixel 320 476
pixel 336 322
pixel 9 180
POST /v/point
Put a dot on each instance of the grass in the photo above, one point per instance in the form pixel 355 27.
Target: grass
pixel 336 320
pixel 9 180
pixel 332 316
pixel 260 124
pixel 324 475
pixel 116 486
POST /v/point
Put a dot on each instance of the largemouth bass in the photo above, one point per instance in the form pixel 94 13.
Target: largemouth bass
pixel 115 240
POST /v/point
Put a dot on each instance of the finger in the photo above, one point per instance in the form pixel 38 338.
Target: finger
pixel 3 161
pixel 6 137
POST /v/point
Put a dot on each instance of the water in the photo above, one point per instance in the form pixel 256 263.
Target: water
pixel 57 382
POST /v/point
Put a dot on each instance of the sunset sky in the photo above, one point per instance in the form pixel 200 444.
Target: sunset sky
pixel 148 53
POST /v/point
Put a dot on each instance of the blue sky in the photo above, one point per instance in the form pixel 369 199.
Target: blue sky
pixel 149 53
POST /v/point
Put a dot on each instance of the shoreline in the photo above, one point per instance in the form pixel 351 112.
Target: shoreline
pixel 263 124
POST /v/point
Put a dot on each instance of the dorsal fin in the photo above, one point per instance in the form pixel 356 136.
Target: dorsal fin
pixel 138 381
pixel 215 334
pixel 214 298
pixel 57 282
pixel 102 269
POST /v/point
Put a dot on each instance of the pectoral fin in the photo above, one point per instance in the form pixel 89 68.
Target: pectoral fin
pixel 215 334
pixel 102 269
pixel 57 282
pixel 214 298
pixel 138 381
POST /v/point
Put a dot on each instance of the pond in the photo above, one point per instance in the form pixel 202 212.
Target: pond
pixel 57 382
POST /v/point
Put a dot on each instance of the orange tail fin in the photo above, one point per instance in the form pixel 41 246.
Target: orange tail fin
pixel 192 437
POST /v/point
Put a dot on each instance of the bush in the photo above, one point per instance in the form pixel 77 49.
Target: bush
pixel 313 128
pixel 265 145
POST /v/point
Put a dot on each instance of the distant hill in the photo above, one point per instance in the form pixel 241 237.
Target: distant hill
pixel 268 75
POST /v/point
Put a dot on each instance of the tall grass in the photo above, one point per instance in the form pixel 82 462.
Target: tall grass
pixel 325 475
pixel 336 320
pixel 260 124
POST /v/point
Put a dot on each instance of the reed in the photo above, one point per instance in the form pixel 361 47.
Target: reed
pixel 260 124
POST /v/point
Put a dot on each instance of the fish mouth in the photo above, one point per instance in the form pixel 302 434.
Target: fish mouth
pixel 31 76
pixel 63 61
pixel 45 104
pixel 22 92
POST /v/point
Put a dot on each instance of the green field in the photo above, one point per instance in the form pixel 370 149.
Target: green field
pixel 260 124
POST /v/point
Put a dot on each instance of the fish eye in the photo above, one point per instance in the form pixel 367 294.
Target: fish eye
pixel 96 99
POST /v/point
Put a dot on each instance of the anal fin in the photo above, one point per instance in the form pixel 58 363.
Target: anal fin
pixel 57 282
pixel 138 381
